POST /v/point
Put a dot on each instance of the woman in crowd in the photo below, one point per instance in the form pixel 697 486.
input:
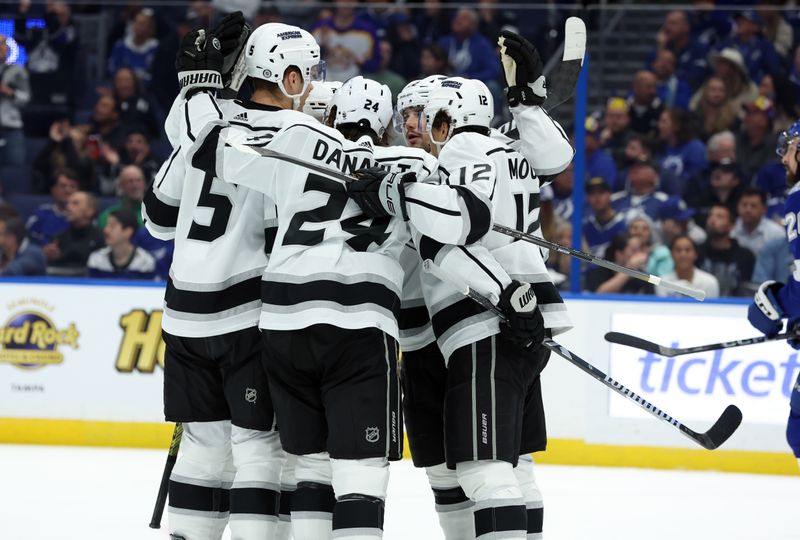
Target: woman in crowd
pixel 715 109
pixel 683 155
pixel 684 253
pixel 659 260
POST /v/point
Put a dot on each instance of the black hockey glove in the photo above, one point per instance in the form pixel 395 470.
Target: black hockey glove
pixel 232 32
pixel 522 70
pixel 199 63
pixel 380 193
pixel 524 322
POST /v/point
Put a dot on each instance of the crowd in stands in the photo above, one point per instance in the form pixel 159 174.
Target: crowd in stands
pixel 682 179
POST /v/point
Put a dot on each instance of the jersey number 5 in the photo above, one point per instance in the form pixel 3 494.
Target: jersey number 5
pixel 363 236
pixel 221 207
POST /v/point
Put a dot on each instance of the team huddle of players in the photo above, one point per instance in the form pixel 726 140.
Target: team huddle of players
pixel 293 291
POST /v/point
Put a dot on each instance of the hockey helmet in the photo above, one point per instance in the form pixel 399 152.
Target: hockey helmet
pixel 414 96
pixel 467 102
pixel 319 98
pixel 361 99
pixel 786 138
pixel 273 48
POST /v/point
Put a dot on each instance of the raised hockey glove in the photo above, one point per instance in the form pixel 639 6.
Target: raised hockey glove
pixel 524 322
pixel 766 313
pixel 522 70
pixel 199 63
pixel 232 32
pixel 380 193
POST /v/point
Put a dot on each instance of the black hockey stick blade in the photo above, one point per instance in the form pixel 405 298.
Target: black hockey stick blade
pixel 722 429
pixel 638 343
pixel 566 78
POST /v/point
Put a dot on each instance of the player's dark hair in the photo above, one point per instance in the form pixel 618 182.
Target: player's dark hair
pixel 271 87
pixel 126 218
pixel 353 131
pixel 752 191
pixel 440 118
pixel 683 237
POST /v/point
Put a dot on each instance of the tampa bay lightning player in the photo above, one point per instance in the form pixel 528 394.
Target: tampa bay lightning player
pixel 777 301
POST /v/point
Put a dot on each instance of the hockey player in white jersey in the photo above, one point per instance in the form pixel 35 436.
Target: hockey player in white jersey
pixel 214 380
pixel 471 113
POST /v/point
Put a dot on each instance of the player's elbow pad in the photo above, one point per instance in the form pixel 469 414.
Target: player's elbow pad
pixel 478 214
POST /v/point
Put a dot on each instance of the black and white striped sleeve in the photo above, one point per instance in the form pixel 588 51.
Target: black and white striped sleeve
pixel 200 109
pixel 452 214
pixel 162 200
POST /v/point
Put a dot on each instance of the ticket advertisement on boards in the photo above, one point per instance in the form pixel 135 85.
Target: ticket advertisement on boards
pixel 78 352
pixel 757 378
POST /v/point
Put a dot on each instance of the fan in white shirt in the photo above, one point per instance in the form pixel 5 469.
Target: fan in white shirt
pixel 684 254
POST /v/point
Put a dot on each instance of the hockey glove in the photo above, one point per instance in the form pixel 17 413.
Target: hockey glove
pixel 524 322
pixel 199 63
pixel 765 313
pixel 380 193
pixel 793 326
pixel 522 70
pixel 232 32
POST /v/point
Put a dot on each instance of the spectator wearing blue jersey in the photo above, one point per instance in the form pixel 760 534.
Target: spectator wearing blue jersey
pixel 120 259
pixel 691 53
pixel 675 219
pixel 137 49
pixel 598 161
pixel 771 178
pixel 776 301
pixel 18 256
pixel 642 195
pixel 558 194
pixel 758 53
pixel 683 156
pixel 673 91
pixel 604 223
pixel 50 219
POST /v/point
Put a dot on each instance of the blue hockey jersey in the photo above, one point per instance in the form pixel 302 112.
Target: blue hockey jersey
pixel 789 296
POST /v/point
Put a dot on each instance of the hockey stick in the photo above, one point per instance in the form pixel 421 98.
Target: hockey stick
pixel 172 455
pixel 697 294
pixel 639 343
pixel 722 429
pixel 563 86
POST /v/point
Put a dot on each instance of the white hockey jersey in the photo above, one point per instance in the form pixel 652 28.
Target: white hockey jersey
pixel 458 321
pixel 220 229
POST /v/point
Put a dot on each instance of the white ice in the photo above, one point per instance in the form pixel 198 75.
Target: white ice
pixel 66 493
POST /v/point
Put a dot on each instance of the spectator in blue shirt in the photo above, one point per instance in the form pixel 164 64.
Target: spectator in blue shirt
pixel 120 259
pixel 642 195
pixel 50 219
pixel 137 49
pixel 598 161
pixel 758 53
pixel 691 54
pixel 604 223
pixel 19 257
pixel 771 177
pixel 673 91
pixel 683 156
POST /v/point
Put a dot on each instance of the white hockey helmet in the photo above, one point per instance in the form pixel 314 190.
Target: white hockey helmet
pixel 363 99
pixel 467 102
pixel 271 49
pixel 319 98
pixel 414 96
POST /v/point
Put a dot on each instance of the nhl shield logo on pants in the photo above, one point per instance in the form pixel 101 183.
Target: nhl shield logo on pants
pixel 250 395
pixel 373 434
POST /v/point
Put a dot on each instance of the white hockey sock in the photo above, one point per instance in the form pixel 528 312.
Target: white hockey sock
pixel 499 507
pixel 288 487
pixel 258 458
pixel 453 507
pixel 360 486
pixel 534 503
pixel 313 500
pixel 199 484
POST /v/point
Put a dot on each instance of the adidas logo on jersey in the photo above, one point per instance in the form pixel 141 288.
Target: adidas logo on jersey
pixel 241 116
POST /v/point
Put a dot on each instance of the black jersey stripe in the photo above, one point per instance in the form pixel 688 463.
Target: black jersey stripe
pixel 279 293
pixel 169 165
pixel 445 211
pixel 453 314
pixel 269 239
pixel 429 248
pixel 207 302
pixel 160 213
pixel 477 261
pixel 480 215
pixel 413 317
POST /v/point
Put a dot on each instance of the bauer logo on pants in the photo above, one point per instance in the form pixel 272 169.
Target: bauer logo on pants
pixel 373 434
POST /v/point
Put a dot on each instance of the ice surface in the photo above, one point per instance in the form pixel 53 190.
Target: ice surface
pixel 66 493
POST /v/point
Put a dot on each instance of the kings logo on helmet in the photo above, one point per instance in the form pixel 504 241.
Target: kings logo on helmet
pixel 30 339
